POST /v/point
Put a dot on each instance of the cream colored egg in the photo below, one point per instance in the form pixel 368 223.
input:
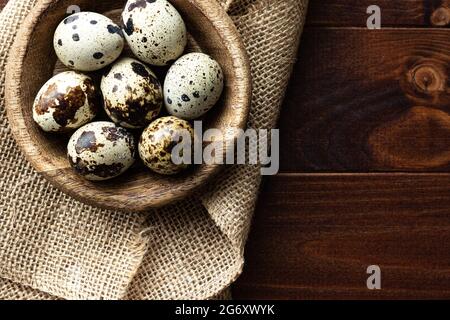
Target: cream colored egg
pixel 193 85
pixel 154 30
pixel 88 41
pixel 101 151
pixel 132 94
pixel 158 141
pixel 66 102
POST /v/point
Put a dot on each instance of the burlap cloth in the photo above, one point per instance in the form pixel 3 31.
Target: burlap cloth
pixel 52 246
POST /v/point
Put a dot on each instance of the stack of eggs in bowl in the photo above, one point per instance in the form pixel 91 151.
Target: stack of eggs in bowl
pixel 129 91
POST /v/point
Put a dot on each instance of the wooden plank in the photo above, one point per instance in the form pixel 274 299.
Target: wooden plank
pixel 352 13
pixel 364 101
pixel 315 235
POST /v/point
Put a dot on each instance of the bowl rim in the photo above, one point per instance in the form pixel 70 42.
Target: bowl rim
pixel 229 36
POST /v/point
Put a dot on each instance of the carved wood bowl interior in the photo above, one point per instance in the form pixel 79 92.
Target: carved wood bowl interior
pixel 33 61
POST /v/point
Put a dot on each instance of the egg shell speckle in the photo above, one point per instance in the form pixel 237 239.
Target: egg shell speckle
pixel 154 30
pixel 101 151
pixel 88 41
pixel 193 85
pixel 157 142
pixel 66 102
pixel 132 94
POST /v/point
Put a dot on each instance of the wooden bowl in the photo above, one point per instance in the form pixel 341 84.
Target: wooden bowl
pixel 32 62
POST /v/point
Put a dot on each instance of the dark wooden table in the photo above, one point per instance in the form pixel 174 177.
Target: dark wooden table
pixel 365 160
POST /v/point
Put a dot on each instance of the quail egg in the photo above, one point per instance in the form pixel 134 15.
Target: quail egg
pixel 158 141
pixel 88 41
pixel 66 102
pixel 193 85
pixel 132 94
pixel 101 151
pixel 154 30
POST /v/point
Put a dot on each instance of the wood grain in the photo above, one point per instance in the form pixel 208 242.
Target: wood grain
pixel 404 13
pixel 138 189
pixel 351 108
pixel 315 235
pixel 376 101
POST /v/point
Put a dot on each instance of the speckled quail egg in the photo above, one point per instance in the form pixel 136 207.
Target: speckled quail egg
pixel 101 151
pixel 88 41
pixel 132 94
pixel 66 102
pixel 157 143
pixel 193 85
pixel 154 30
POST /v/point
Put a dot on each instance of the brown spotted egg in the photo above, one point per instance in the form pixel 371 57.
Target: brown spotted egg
pixel 193 85
pixel 101 151
pixel 158 141
pixel 66 102
pixel 132 94
pixel 154 30
pixel 88 41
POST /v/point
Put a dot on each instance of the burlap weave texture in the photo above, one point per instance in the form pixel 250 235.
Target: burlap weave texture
pixel 52 246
